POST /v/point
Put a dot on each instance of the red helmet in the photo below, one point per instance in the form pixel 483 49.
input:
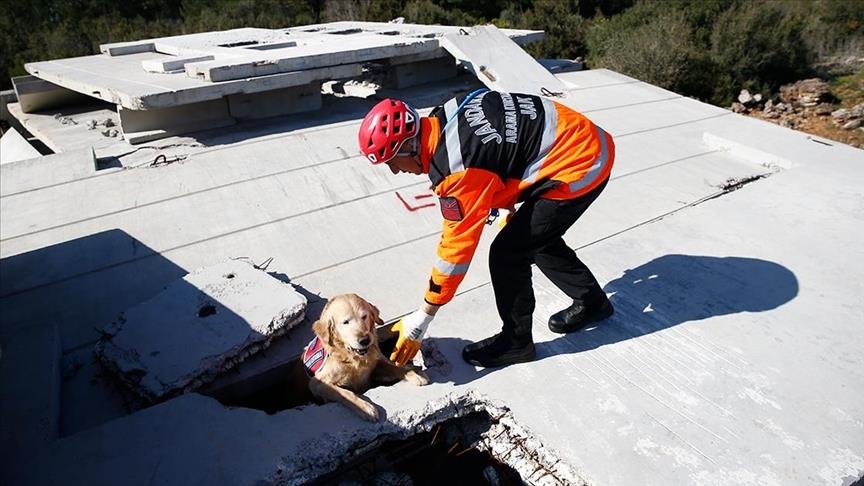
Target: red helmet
pixel 386 127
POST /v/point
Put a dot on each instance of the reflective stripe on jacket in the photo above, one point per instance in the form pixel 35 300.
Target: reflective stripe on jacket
pixel 500 149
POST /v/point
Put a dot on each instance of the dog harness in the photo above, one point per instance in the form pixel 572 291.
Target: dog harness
pixel 314 356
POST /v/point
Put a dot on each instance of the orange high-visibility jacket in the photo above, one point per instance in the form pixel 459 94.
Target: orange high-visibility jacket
pixel 499 149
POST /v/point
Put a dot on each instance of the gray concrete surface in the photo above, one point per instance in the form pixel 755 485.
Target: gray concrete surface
pixel 482 48
pixel 729 247
pixel 198 327
pixel 14 147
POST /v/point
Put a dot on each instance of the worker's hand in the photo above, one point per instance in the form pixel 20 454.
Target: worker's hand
pixel 411 329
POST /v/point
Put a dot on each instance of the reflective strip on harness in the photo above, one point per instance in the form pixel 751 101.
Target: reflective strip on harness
pixel 599 165
pixel 314 356
pixel 550 130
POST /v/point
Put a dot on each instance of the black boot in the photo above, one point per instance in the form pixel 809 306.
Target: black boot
pixel 499 350
pixel 579 315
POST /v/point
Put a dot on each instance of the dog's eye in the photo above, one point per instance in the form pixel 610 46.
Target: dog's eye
pixel 363 317
pixel 346 321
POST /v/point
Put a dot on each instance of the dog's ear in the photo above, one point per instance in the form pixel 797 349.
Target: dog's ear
pixel 320 329
pixel 323 327
pixel 376 315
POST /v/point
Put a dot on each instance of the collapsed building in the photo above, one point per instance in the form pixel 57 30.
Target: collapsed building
pixel 174 213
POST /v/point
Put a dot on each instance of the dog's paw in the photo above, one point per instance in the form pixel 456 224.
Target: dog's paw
pixel 417 377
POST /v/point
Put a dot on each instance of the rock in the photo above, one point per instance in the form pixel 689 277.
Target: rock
pixel 841 115
pixel 769 106
pixel 738 108
pixel 857 111
pixel 757 97
pixel 807 92
pixel 787 122
pixel 823 109
pixel 744 97
pixel 852 124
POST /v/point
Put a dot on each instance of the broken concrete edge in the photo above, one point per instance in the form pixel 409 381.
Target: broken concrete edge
pixel 532 461
pixel 213 366
pixel 37 93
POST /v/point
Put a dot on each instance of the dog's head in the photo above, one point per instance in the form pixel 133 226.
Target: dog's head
pixel 348 321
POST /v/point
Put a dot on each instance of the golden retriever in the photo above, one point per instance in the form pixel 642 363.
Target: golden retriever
pixel 344 360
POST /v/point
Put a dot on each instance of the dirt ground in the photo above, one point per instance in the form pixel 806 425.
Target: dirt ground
pixel 845 92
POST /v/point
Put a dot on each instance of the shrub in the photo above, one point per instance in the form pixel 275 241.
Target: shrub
pixel 563 27
pixel 758 46
pixel 653 47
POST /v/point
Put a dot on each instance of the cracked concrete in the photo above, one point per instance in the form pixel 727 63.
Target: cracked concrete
pixel 199 327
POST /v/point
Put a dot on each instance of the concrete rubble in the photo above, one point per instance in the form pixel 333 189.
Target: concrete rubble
pixel 187 83
pixel 198 327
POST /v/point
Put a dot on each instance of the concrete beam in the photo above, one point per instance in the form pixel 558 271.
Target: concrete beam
pixel 141 126
pixel 198 327
pixel 36 94
pixel 422 72
pixel 46 171
pixel 172 65
pixel 277 102
pixel 500 63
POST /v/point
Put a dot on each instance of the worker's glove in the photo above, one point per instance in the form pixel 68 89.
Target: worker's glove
pixel 503 220
pixel 411 329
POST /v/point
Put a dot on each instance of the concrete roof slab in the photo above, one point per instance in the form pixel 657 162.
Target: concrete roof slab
pixel 198 327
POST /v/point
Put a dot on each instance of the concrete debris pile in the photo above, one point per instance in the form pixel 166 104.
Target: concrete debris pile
pixel 199 327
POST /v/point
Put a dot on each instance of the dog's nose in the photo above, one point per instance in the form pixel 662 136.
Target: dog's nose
pixel 365 341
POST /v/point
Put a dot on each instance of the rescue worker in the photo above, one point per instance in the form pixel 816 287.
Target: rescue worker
pixel 488 150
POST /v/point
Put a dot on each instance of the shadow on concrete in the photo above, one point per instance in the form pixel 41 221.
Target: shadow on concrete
pixel 662 293
pixel 673 289
pixel 82 284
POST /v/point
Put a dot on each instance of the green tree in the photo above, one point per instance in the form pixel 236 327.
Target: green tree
pixel 655 48
pixel 758 46
pixel 563 27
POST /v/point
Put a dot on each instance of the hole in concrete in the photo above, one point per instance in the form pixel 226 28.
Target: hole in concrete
pixel 271 390
pixel 476 449
pixel 270 47
pixel 229 275
pixel 240 44
pixel 206 310
pixel 356 30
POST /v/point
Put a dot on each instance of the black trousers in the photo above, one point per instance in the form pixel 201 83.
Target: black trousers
pixel 534 235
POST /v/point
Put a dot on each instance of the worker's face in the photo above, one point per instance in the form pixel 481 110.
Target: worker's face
pixel 405 163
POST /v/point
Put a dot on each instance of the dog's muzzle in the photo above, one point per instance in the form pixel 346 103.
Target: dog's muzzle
pixel 359 351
